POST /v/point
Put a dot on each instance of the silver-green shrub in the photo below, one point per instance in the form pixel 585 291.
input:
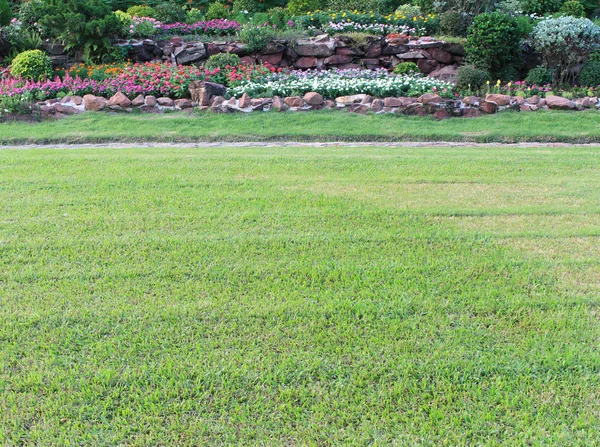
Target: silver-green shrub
pixel 563 42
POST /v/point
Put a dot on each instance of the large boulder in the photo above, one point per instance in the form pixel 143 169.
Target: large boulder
pixel 500 100
pixel 558 102
pixel 447 73
pixel 119 99
pixel 308 47
pixel 94 103
pixel 191 53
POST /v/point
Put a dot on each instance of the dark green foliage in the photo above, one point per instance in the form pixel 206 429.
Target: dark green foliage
pixel 493 43
pixel 86 26
pixel 541 7
pixel 32 64
pixel 453 23
pixel 222 60
pixel 469 77
pixel 256 37
pixel 278 17
pixel 589 76
pixel 377 6
pixel 251 6
pixel 6 13
pixel 216 10
pixel 572 8
pixel 299 7
pixel 406 68
pixel 170 13
pixel 538 76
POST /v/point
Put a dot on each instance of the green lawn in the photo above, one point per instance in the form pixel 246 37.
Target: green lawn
pixel 546 126
pixel 300 296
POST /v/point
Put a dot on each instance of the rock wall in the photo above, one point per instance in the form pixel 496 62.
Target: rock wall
pixel 435 58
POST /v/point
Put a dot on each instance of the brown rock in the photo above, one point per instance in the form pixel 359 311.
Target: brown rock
pixel 94 103
pixel 66 109
pixel 306 47
pixel 488 107
pixel 183 103
pixel 119 99
pixel 533 100
pixel 500 100
pixel 470 112
pixel 377 105
pixel 277 104
pixel 306 62
pixel 293 101
pixel 430 98
pixel 352 99
pixel 442 114
pixel 273 59
pixel 558 102
pixel 165 102
pixel 447 73
pixel 77 100
pixel 138 101
pixel 440 55
pixel 338 59
pixel 330 104
pixel 415 109
pixel 245 101
pixel 313 99
pixel 427 65
pixel 393 102
pixel 151 101
pixel 519 100
pixel 471 100
pixel 358 108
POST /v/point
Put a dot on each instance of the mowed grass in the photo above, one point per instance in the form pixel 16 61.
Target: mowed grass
pixel 544 126
pixel 300 296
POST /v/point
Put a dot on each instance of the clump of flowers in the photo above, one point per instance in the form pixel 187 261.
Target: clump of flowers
pixel 144 27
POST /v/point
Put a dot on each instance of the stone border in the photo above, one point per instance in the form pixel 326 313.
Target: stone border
pixel 210 98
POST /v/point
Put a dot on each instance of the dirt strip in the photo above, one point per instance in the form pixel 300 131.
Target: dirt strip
pixel 291 144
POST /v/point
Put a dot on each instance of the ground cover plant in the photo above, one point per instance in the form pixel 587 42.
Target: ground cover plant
pixel 300 296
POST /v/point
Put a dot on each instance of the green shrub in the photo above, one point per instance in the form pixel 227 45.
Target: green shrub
pixel 377 6
pixel 251 6
pixel 88 26
pixel 562 42
pixel 406 68
pixel 29 13
pixel 259 19
pixel 170 13
pixel 424 5
pixel 256 37
pixel 6 13
pixel 124 18
pixel 572 8
pixel 513 8
pixel 589 76
pixel 493 43
pixel 409 10
pixel 453 23
pixel 538 76
pixel 541 7
pixel 278 17
pixel 142 11
pixel 32 64
pixel 469 77
pixel 300 7
pixel 216 10
pixel 194 15
pixel 222 60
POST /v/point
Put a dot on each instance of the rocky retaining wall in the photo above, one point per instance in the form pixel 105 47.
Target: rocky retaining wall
pixel 426 105
pixel 435 58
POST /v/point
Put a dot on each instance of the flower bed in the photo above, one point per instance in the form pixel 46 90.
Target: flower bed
pixel 335 83
pixel 149 27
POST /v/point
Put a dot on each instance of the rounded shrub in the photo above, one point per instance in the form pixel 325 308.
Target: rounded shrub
pixel 538 76
pixel 216 10
pixel 572 8
pixel 279 17
pixel 409 10
pixel 493 43
pixel 589 76
pixel 194 15
pixel 404 68
pixel 250 6
pixel 170 13
pixel 32 64
pixel 541 7
pixel 452 23
pixel 376 6
pixel 301 7
pixel 222 60
pixel 142 11
pixel 471 77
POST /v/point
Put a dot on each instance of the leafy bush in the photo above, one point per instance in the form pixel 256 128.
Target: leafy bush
pixel 142 11
pixel 589 76
pixel 469 7
pixel 563 42
pixel 493 43
pixel 513 8
pixel 251 6
pixel 409 10
pixel 32 64
pixel 88 26
pixel 29 13
pixel 124 18
pixel 299 7
pixel 278 17
pixel 572 8
pixel 377 6
pixel 194 15
pixel 470 77
pixel 541 7
pixel 170 13
pixel 256 37
pixel 221 61
pixel 452 23
pixel 406 68
pixel 216 10
pixel 6 13
pixel 538 76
